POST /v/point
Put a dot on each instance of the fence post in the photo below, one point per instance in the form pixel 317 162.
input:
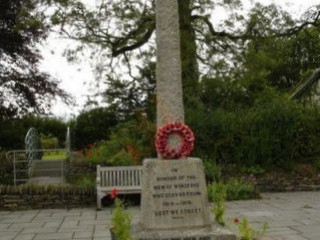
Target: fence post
pixel 62 168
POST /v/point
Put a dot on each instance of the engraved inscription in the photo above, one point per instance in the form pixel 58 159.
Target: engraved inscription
pixel 176 195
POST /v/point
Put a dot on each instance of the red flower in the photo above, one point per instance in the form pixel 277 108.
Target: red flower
pixel 89 154
pixel 102 140
pixel 114 193
pixel 90 146
pixel 236 220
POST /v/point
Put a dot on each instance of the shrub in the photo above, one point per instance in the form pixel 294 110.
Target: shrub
pixel 121 221
pixel 248 233
pixel 239 189
pixel 278 133
pixel 49 142
pixel 129 144
pixel 217 193
pixel 212 171
pixel 234 189
pixel 92 125
pixel 6 170
pixel 13 131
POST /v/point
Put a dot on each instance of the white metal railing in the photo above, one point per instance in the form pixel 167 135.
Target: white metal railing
pixel 21 163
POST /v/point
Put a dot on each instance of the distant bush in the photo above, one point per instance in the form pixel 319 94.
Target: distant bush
pixel 129 144
pixel 93 125
pixel 279 134
pixel 13 131
pixel 6 170
pixel 49 142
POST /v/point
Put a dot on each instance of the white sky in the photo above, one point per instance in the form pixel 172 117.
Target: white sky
pixel 75 78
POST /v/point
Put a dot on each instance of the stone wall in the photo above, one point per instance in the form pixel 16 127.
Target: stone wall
pixel 19 198
pixel 303 178
pixel 288 185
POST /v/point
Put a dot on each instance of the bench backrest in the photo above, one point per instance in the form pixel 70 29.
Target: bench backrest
pixel 129 176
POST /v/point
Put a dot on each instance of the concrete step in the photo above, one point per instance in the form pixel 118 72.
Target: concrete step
pixel 47 168
pixel 47 163
pixel 46 180
pixel 46 173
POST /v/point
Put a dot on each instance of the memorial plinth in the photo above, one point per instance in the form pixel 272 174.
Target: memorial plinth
pixel 174 203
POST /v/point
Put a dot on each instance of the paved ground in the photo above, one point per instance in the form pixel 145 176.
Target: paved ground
pixel 291 216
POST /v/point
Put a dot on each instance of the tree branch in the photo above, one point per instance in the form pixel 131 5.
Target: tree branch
pixel 249 34
pixel 139 42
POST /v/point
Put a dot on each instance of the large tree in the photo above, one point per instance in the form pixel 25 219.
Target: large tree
pixel 122 33
pixel 23 88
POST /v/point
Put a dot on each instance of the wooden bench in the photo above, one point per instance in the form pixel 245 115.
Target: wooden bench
pixel 127 180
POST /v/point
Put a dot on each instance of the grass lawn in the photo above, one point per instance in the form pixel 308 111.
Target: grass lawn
pixel 54 155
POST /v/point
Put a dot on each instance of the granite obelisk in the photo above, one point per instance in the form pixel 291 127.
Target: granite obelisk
pixel 168 73
pixel 174 201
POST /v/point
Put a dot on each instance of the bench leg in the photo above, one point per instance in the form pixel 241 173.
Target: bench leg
pixel 99 201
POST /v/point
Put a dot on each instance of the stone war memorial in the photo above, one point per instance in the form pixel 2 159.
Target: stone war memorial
pixel 174 202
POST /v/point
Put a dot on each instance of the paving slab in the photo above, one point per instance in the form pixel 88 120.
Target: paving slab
pixel 290 216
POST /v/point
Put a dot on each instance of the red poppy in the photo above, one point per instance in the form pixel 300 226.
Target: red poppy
pixel 114 192
pixel 89 154
pixel 236 220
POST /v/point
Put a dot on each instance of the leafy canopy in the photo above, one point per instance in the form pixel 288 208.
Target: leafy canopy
pixel 23 88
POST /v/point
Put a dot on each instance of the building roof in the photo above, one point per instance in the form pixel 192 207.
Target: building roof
pixel 304 86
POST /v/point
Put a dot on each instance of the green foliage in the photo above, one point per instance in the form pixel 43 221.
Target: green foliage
pixel 129 143
pixel 274 133
pixel 93 125
pixel 121 221
pixel 49 142
pixel 56 155
pixel 233 189
pixel 6 170
pixel 247 232
pixel 85 181
pixel 316 164
pixel 217 193
pixel 24 88
pixel 212 171
pixel 239 189
pixel 256 170
pixel 13 131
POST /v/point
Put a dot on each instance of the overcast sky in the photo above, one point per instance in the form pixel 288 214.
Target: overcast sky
pixel 75 78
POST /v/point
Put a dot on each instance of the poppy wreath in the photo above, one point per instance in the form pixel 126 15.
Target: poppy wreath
pixel 163 135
